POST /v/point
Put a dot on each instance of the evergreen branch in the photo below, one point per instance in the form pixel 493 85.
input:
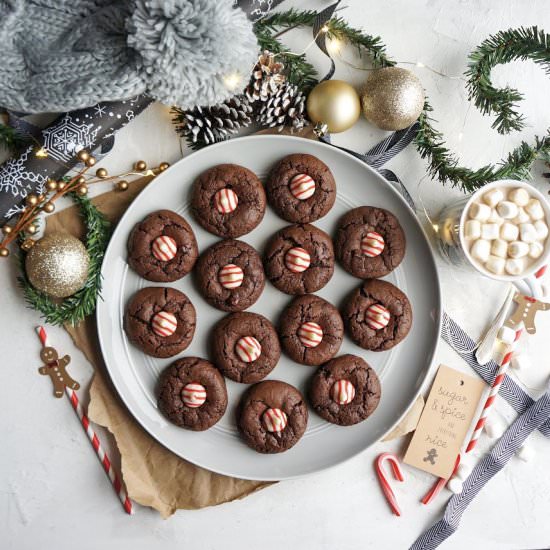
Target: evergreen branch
pixel 75 308
pixel 9 137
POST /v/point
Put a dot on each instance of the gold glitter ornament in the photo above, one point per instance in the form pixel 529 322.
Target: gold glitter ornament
pixel 57 264
pixel 334 103
pixel 392 98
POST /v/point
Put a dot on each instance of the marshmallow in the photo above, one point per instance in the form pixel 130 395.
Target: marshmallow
pixel 509 231
pixel 479 212
pixel 542 229
pixel 535 250
pixel 494 217
pixel 520 362
pixel 519 196
pixel 454 485
pixel 493 197
pixel 534 209
pixel 507 209
pixel 506 335
pixel 490 231
pixel 495 264
pixel 494 426
pixel 528 232
pixel 499 248
pixel 515 266
pixel 522 217
pixel 472 230
pixel 518 249
pixel 481 250
pixel 526 452
pixel 463 470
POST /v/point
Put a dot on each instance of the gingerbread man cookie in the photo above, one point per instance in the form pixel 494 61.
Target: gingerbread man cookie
pixel 525 312
pixel 55 368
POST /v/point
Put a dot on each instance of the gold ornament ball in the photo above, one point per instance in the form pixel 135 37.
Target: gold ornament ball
pixel 83 155
pixel 101 173
pixel 392 98
pixel 334 103
pixel 140 165
pixel 49 207
pixel 4 252
pixel 57 265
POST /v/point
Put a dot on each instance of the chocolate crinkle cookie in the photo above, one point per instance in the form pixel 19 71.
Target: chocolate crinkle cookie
pixel 162 247
pixel 228 200
pixel 160 321
pixel 192 394
pixel 369 242
pixel 230 275
pixel 299 259
pixel 345 391
pixel 272 416
pixel 245 347
pixel 301 188
pixel 377 315
pixel 311 330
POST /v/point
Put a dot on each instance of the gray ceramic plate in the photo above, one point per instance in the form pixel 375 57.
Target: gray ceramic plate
pixel 402 370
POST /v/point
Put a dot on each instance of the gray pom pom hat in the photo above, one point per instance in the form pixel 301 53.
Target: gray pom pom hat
pixel 62 55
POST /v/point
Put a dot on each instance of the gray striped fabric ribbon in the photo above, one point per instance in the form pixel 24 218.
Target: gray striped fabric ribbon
pixel 534 417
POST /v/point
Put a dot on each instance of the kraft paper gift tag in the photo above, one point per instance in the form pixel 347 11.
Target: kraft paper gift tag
pixel 445 421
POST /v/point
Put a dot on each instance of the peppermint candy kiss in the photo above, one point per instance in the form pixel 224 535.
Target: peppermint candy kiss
pixel 342 392
pixel 193 395
pixel 297 259
pixel 275 420
pixel 302 186
pixel 377 316
pixel 226 200
pixel 164 323
pixel 248 349
pixel 164 248
pixel 310 334
pixel 372 244
pixel 231 276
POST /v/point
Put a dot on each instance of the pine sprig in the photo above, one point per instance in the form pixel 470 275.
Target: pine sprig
pixel 75 308
pixel 503 47
pixel 9 138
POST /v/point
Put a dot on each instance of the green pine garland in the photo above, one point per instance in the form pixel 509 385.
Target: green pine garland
pixel 506 46
pixel 9 138
pixel 75 308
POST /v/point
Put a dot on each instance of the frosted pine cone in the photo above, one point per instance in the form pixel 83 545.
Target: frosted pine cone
pixel 285 108
pixel 266 78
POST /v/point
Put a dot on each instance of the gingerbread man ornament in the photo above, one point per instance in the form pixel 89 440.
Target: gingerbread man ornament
pixel 55 368
pixel 525 312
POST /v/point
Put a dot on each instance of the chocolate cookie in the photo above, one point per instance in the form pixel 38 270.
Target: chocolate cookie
pixel 162 247
pixel 160 321
pixel 230 275
pixel 299 259
pixel 345 391
pixel 228 200
pixel 272 416
pixel 369 242
pixel 378 315
pixel 245 347
pixel 301 188
pixel 311 330
pixel 192 394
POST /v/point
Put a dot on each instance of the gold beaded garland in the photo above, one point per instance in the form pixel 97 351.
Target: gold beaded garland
pixel 7 229
pixel 51 185
pixel 140 165
pixel 90 162
pixel 4 252
pixel 82 190
pixel 32 200
pixel 101 173
pixel 163 166
pixel 49 207
pixel 27 244
pixel 57 265
pixel 392 98
pixel 121 185
pixel 83 155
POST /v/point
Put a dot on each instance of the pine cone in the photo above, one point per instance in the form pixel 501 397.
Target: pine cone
pixel 206 125
pixel 285 108
pixel 266 78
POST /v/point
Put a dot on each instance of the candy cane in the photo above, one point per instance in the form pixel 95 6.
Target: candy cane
pixel 384 484
pixel 92 436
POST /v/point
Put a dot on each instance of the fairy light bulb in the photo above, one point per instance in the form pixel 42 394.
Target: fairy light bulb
pixel 232 81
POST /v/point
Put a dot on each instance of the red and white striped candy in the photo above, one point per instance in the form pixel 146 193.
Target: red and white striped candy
pixel 302 186
pixel 372 244
pixel 193 395
pixel 164 323
pixel 248 349
pixel 275 420
pixel 310 334
pixel 231 276
pixel 226 200
pixel 377 316
pixel 164 248
pixel 297 259
pixel 342 392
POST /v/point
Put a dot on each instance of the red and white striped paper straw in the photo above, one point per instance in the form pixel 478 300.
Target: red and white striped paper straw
pixel 92 436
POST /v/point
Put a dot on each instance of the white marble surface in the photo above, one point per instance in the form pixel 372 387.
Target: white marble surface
pixel 54 493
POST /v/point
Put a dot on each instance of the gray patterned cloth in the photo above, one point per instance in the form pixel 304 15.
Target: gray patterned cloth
pixel 62 55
